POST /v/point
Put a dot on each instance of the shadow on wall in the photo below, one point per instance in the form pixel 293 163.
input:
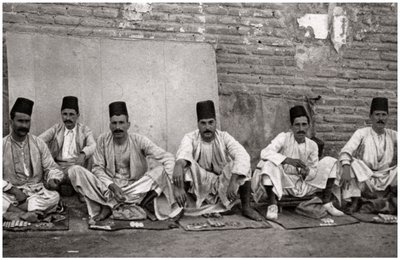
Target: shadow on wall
pixel 6 123
pixel 254 120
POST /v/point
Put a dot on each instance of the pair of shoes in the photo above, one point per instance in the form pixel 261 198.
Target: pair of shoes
pixel 332 210
pixel 272 212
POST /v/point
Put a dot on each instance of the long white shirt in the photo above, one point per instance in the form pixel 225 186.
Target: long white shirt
pixel 69 149
pixel 371 155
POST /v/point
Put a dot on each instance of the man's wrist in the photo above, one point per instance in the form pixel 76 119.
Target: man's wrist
pixel 182 163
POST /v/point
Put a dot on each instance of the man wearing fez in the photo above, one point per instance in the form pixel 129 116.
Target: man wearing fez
pixel 211 169
pixel 369 159
pixel 30 174
pixel 121 175
pixel 70 143
pixel 289 166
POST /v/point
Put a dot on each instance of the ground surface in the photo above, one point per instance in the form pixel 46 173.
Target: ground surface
pixel 357 240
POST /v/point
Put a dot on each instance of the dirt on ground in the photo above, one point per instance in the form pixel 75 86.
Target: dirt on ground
pixel 356 240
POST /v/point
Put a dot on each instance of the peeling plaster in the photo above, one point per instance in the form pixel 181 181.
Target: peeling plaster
pixel 340 28
pixel 318 22
pixel 259 25
pixel 134 11
pixel 123 25
pixel 311 55
pixel 202 18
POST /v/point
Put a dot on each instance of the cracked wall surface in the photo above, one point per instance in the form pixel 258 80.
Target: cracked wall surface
pixel 264 56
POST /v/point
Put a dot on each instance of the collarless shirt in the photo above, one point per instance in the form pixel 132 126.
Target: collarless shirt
pixel 21 157
pixel 380 143
pixel 122 164
pixel 206 154
pixel 69 150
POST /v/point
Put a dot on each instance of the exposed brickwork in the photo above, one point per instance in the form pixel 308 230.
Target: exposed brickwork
pixel 258 50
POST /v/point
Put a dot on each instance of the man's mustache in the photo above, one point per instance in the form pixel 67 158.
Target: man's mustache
pixel 301 132
pixel 380 122
pixel 23 129
pixel 207 131
pixel 68 121
pixel 118 131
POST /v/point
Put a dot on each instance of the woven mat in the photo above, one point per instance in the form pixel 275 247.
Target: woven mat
pixel 370 218
pixel 59 221
pixel 226 222
pixel 291 220
pixel 113 225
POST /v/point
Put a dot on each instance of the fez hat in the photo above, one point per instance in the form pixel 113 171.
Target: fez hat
pixel 118 108
pixel 205 109
pixel 298 111
pixel 379 103
pixel 22 105
pixel 70 102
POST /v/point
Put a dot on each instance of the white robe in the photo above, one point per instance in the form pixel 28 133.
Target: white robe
pixel 43 169
pixel 210 174
pixel 285 178
pixel 373 163
pixel 140 180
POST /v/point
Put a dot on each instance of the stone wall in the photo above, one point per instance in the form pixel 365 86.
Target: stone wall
pixel 268 54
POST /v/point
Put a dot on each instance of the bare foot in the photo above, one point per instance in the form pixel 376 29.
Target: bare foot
pixel 104 213
pixel 251 214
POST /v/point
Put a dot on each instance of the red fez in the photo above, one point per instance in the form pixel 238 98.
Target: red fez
pixel 118 108
pixel 22 105
pixel 379 103
pixel 205 109
pixel 298 111
pixel 70 102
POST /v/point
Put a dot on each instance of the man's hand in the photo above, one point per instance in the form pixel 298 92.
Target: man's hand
pixel 117 191
pixel 80 160
pixel 294 162
pixel 180 196
pixel 346 173
pixel 179 173
pixel 233 188
pixel 20 196
pixel 53 184
pixel 304 172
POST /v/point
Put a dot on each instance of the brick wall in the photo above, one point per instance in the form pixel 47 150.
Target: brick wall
pixel 260 48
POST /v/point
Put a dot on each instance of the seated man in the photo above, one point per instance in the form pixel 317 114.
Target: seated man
pixel 120 172
pixel 70 143
pixel 369 159
pixel 290 166
pixel 30 174
pixel 211 169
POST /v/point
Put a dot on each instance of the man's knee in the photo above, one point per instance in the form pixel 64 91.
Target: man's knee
pixel 266 180
pixel 6 205
pixel 75 171
pixel 50 199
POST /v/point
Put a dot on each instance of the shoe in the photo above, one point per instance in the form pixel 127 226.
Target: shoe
pixel 332 210
pixel 272 212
